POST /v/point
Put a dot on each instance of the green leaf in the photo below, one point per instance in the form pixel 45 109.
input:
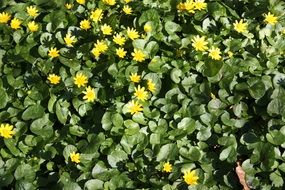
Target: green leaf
pixel 83 109
pixel 167 152
pixel 51 103
pixel 276 107
pixel 139 118
pixel 152 48
pixel 204 133
pixel 93 184
pixel 76 130
pixel 117 120
pixel 155 65
pixel 42 126
pixel 4 98
pixel 71 186
pixel 212 67
pixel 229 154
pixel 249 138
pixel 282 167
pixel 46 38
pixel 70 63
pixel 176 74
pixel 150 14
pixel 139 44
pixel 24 185
pixel 100 171
pixel 57 19
pixel 216 106
pixel 187 82
pixel 6 179
pixel 17 35
pixel 257 90
pixel 130 124
pixel 194 154
pixel 172 27
pixel 61 110
pixel 132 127
pixel 154 139
pixel 25 172
pixel 67 150
pixel 107 121
pixel 185 42
pixel 33 112
pixel 276 179
pixel 240 109
pixel 275 137
pixel 187 124
pixel 116 156
pixel 11 144
pixel 113 70
pixel 2 53
pixel 225 153
pixel 217 10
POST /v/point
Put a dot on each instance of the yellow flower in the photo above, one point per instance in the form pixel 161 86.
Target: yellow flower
pixel 15 23
pixel 110 2
pixel 69 5
pixel 33 27
pixel 230 54
pixel 69 40
pixel 80 80
pixel 199 43
pixel 240 26
pixel 132 33
pixel 90 95
pixel 119 39
pixel 127 9
pixel 135 77
pixel 81 2
pixel 96 52
pixel 270 18
pixel 140 93
pixel 32 11
pixel 134 107
pixel 75 157
pixel 138 55
pixel 151 86
pixel 214 53
pixel 200 5
pixel 85 24
pixel 53 52
pixel 4 17
pixel 6 131
pixel 213 96
pixel 127 1
pixel 54 79
pixel 167 167
pixel 190 177
pixel 97 15
pixel 190 6
pixel 181 7
pixel 147 28
pixel 101 46
pixel 121 52
pixel 106 29
pixel 143 36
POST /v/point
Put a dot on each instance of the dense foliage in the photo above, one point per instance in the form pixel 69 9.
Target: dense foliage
pixel 141 94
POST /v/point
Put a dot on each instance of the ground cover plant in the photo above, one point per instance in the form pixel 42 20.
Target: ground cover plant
pixel 142 94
